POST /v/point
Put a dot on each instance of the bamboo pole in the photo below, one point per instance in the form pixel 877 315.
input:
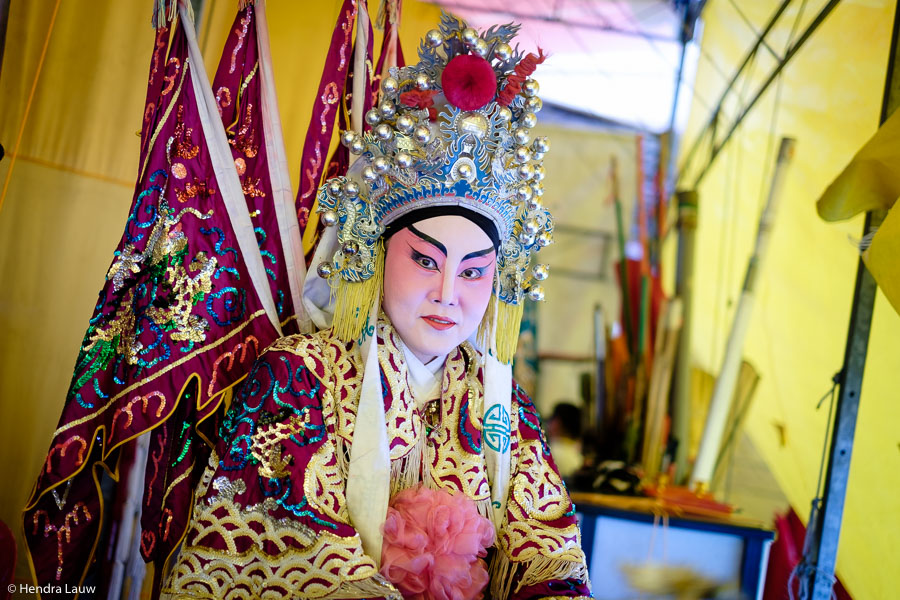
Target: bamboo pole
pixel 667 336
pixel 596 419
pixel 725 383
pixel 684 289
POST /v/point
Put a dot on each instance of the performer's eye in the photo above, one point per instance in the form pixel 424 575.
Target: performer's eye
pixel 424 261
pixel 473 273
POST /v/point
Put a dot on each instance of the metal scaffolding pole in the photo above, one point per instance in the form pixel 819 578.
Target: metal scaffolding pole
pixel 820 555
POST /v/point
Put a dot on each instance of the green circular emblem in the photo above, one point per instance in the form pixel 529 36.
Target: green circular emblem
pixel 495 429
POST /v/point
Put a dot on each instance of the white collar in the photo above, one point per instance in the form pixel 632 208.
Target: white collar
pixel 424 379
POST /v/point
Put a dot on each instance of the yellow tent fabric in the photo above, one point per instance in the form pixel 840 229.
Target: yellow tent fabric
pixel 872 181
pixel 882 258
pixel 830 101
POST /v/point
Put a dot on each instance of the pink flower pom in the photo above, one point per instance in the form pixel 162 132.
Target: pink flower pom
pixel 469 82
pixel 433 545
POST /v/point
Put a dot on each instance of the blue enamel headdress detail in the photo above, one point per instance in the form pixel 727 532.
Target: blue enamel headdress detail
pixel 452 130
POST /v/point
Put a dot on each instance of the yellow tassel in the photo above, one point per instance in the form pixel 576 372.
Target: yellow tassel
pixel 353 300
pixel 509 319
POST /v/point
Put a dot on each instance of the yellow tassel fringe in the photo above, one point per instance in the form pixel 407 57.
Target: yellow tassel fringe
pixel 353 300
pixel 509 319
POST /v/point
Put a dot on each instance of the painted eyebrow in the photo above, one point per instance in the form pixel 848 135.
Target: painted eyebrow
pixel 430 240
pixel 478 253
pixel 443 249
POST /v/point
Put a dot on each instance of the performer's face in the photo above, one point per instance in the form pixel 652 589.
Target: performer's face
pixel 438 277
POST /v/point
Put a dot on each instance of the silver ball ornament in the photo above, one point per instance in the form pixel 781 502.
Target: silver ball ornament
pixel 525 239
pixel 384 131
pixel 373 117
pixel 536 293
pixel 389 85
pixel 541 144
pixel 350 248
pixel 347 137
pixel 422 81
pixel 522 135
pixel 529 119
pixel 533 204
pixel 469 36
pixel 434 38
pixel 351 189
pixel 530 88
pixel 465 171
pixel 329 218
pixel 524 193
pixel 544 239
pixel 404 160
pixel 324 270
pixel 539 173
pixel 531 226
pixel 481 47
pixel 537 155
pixel 522 154
pixel 381 165
pixel 334 188
pixel 387 109
pixel 541 272
pixel 357 146
pixel 534 104
pixel 369 174
pixel 505 114
pixel 503 51
pixel 525 171
pixel 405 124
pixel 422 134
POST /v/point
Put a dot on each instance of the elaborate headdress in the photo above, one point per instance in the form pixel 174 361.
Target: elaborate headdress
pixel 453 130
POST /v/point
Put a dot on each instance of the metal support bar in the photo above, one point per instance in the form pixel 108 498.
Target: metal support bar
pixel 821 553
pixel 717 147
pixel 715 113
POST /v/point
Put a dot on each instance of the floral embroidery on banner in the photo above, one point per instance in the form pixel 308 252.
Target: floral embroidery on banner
pixel 161 37
pixel 241 34
pixel 245 139
pixel 346 26
pixel 329 97
pixel 312 174
pixel 64 531
pixel 223 92
pixel 170 79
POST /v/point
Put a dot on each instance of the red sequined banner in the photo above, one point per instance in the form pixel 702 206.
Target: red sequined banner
pixel 328 98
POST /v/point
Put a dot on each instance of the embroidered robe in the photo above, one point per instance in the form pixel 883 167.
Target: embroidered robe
pixel 270 518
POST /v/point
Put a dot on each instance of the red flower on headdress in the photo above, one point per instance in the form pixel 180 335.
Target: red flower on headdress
pixel 421 99
pixel 514 82
pixel 418 98
pixel 469 82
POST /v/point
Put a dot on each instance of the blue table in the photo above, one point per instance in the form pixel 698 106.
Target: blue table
pixel 727 551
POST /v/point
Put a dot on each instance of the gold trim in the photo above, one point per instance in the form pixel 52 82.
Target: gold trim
pixel 147 380
pixel 168 112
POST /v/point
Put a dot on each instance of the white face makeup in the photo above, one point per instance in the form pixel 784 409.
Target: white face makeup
pixel 438 278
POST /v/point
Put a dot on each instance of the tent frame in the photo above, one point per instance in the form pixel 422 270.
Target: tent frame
pixel 820 553
pixel 711 129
